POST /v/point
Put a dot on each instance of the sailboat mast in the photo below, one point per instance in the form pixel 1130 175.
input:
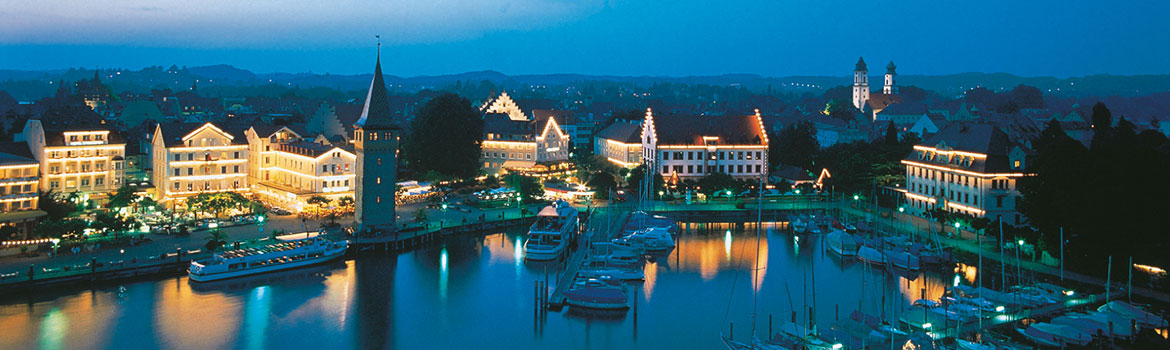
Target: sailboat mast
pixel 756 264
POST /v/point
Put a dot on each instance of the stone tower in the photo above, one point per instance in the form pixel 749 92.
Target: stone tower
pixel 889 88
pixel 376 143
pixel 860 84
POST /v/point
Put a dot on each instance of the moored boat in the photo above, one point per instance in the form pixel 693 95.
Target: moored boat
pixel 549 236
pixel 842 243
pixel 870 255
pixel 292 251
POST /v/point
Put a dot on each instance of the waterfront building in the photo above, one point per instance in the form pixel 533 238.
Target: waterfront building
pixel 620 143
pixel 192 158
pixel 681 147
pixel 968 168
pixel 376 144
pixel 512 144
pixel 286 169
pixel 19 175
pixel 77 153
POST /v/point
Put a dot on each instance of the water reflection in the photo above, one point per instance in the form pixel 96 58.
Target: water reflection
pixel 476 291
pixel 54 327
pixel 256 317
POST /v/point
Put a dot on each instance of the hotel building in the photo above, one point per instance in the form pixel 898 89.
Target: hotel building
pixel 682 147
pixel 191 158
pixel 967 168
pixel 18 189
pixel 76 155
pixel 286 169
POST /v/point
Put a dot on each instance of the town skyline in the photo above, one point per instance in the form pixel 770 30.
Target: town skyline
pixel 614 38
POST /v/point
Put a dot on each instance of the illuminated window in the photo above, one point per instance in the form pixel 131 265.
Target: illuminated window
pixel 379 161
pixel 378 199
pixel 378 180
pixel 1017 164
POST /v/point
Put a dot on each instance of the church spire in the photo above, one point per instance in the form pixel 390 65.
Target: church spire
pixel 376 112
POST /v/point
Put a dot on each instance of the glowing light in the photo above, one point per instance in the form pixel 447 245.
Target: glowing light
pixel 999 308
pixel 956 225
pixel 727 244
pixel 964 172
pixel 1069 293
pixel 956 280
pixel 856 197
pixel 926 325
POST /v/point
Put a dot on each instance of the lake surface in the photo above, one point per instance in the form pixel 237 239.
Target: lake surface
pixel 474 291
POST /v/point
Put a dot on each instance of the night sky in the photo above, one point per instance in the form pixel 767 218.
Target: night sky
pixel 619 37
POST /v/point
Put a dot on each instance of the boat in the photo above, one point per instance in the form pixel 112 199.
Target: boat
pixel 871 255
pixel 595 293
pixel 970 345
pixel 651 239
pixel 800 224
pixel 549 236
pixel 1132 313
pixel 640 220
pixel 842 243
pixel 623 245
pixel 1055 335
pixel 622 274
pixel 800 338
pixel 621 258
pixel 1085 325
pixel 295 250
pixel 1104 321
pixel 902 259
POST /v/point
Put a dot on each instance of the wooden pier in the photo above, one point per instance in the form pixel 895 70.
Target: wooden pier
pixel 601 228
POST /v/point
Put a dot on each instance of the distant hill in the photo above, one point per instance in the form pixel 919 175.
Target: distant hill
pixel 31 85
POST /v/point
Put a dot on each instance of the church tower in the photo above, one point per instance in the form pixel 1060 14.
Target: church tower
pixel 889 88
pixel 860 84
pixel 376 143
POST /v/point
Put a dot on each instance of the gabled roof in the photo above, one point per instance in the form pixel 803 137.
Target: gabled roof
pixel 540 116
pixel 173 133
pixel 266 130
pixel 977 138
pixel 498 123
pixel 311 149
pixel 376 111
pixel 690 130
pixel 879 101
pixel 16 153
pixel 622 132
pixel 55 121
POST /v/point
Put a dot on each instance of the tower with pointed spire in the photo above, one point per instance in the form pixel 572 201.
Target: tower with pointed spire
pixel 376 142
pixel 860 84
pixel 889 88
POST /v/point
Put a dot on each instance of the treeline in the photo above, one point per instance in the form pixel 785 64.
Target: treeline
pixel 1108 197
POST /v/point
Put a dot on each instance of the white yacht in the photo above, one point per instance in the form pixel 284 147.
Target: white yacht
pixel 548 237
pixel 651 239
pixel 294 250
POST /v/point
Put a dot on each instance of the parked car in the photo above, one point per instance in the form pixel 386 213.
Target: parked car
pixel 280 211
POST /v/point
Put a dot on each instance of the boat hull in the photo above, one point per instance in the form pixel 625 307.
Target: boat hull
pixel 544 254
pixel 328 256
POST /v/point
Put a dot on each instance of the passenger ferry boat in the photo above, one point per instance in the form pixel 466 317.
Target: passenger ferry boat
pixel 294 250
pixel 548 237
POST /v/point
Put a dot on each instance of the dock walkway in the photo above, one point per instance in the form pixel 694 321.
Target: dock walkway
pixel 603 225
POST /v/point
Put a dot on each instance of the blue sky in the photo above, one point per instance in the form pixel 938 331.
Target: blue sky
pixel 620 37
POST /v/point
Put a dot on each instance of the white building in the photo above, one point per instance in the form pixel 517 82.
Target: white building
pixel 285 169
pixel 77 155
pixel 620 143
pixel 681 147
pixel 192 158
pixel 967 168
pixel 867 101
pixel 521 144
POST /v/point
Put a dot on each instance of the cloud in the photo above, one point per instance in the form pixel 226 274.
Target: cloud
pixel 276 23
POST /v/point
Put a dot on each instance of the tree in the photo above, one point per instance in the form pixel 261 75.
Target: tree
pixel 217 202
pixel 318 202
pixel 529 187
pixel 601 183
pixel 1102 121
pixel 60 228
pixel 346 203
pixel 635 179
pixel 446 137
pixel 216 238
pixel 841 109
pixel 420 215
pixel 123 197
pixel 714 183
pixel 891 134
pixel 796 145
pixel 56 205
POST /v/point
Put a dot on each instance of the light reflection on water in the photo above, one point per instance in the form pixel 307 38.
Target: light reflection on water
pixel 478 288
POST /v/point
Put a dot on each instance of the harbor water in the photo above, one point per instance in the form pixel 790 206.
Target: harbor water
pixel 477 291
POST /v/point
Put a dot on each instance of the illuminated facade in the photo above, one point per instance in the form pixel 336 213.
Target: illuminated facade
pixel 77 156
pixel 620 144
pixel 697 146
pixel 514 144
pixel 504 105
pixel 968 169
pixel 286 170
pixel 194 158
pixel 18 193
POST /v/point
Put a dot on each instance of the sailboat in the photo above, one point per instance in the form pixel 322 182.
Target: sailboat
pixel 755 343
